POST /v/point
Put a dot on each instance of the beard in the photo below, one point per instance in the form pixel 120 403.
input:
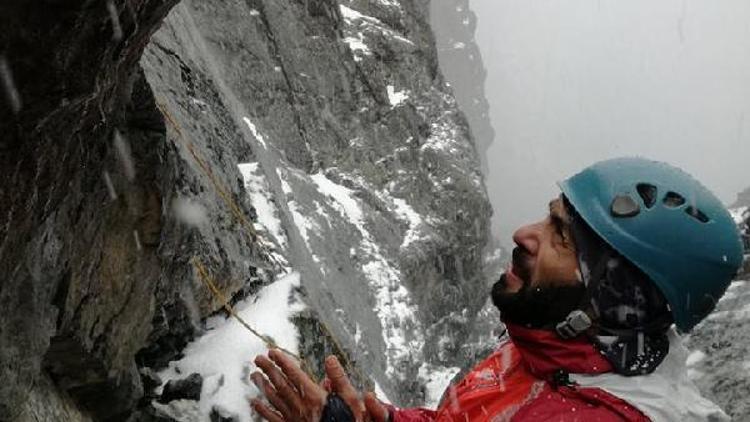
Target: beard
pixel 536 307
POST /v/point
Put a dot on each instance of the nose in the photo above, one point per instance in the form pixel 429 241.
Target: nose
pixel 529 237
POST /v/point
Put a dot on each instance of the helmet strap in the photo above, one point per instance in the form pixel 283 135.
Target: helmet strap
pixel 582 319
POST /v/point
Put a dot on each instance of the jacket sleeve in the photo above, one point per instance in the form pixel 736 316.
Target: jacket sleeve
pixel 411 415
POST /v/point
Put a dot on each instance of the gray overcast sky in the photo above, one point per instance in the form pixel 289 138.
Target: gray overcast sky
pixel 574 81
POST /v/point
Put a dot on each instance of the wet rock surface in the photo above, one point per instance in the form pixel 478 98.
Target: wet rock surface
pixel 76 296
pixel 368 161
pixel 122 154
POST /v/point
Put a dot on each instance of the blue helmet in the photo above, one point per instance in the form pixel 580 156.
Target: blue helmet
pixel 667 224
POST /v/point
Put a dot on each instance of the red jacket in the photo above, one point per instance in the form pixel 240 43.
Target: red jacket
pixel 517 383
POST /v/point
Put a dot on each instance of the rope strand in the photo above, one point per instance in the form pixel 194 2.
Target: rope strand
pixel 246 224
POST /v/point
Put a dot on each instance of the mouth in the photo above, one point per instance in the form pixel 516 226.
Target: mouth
pixel 518 272
pixel 513 283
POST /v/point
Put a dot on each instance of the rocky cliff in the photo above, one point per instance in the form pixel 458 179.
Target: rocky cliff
pixel 455 24
pixel 743 199
pixel 307 159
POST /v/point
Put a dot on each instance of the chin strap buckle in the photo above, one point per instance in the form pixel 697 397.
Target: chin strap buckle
pixel 575 323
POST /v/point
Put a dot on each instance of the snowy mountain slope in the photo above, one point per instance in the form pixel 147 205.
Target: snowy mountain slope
pixel 743 199
pixel 362 173
pixel 720 347
pixel 258 138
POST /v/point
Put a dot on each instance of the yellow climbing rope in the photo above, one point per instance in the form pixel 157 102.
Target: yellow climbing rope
pixel 269 342
pixel 246 224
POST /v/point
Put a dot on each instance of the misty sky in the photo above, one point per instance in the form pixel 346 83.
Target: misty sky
pixel 574 81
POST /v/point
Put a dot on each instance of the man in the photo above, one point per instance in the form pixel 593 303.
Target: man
pixel 630 250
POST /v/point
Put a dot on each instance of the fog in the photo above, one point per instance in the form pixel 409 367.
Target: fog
pixel 571 82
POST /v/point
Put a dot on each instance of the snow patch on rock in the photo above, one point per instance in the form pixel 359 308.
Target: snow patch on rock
pixel 306 226
pixel 257 188
pixel 396 97
pixel 393 306
pixel 224 355
pixel 255 132
pixel 357 45
pixel 358 26
pixel 739 214
pixel 404 211
pixel 695 357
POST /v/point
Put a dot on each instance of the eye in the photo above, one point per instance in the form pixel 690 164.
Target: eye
pixel 557 223
pixel 559 226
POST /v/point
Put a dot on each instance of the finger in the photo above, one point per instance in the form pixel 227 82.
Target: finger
pixel 265 412
pixel 285 391
pixel 376 410
pixel 339 381
pixel 297 376
pixel 271 394
pixel 326 385
pixel 341 385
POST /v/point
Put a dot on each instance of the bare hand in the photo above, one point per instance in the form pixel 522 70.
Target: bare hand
pixel 292 394
pixel 295 397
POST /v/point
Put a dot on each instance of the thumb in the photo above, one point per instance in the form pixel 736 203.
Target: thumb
pixel 375 409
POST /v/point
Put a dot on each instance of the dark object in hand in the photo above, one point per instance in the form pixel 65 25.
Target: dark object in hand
pixel 336 410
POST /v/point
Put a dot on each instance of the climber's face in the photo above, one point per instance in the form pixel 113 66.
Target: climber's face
pixel 545 255
pixel 542 285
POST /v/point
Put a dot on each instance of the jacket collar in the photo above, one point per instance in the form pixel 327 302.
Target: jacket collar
pixel 545 353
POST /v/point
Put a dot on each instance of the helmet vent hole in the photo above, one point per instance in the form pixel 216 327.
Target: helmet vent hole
pixel 624 206
pixel 697 214
pixel 673 199
pixel 648 194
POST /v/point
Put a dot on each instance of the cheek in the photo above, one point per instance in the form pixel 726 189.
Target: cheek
pixel 556 267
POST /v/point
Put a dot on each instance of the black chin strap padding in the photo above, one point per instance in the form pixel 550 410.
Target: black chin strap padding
pixel 578 320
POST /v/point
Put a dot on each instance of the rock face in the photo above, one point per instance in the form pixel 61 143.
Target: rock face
pixel 720 345
pixel 454 25
pixel 743 199
pixel 364 154
pixel 76 299
pixel 122 160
